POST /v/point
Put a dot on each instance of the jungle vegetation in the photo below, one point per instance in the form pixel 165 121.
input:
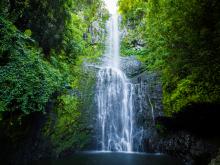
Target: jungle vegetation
pixel 181 41
pixel 43 45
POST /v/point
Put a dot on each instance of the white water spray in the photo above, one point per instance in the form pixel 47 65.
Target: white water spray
pixel 114 93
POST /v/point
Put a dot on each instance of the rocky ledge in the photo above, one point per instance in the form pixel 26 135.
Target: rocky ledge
pixel 191 135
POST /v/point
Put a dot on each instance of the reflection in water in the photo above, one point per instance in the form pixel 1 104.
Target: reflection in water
pixel 113 158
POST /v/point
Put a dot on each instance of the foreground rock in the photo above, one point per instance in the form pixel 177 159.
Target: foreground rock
pixel 190 149
pixel 216 160
pixel 191 135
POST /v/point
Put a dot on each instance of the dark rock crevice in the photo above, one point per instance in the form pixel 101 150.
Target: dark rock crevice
pixel 191 135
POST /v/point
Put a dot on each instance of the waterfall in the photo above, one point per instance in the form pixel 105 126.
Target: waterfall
pixel 114 93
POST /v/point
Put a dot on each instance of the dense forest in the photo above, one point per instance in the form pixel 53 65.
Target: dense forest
pixel 44 44
pixel 181 40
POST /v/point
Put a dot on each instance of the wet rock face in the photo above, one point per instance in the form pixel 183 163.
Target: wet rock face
pixel 131 66
pixel 96 31
pixel 147 99
pixel 191 134
pixel 184 138
pixel 190 149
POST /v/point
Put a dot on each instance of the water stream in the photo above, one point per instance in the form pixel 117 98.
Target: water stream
pixel 114 94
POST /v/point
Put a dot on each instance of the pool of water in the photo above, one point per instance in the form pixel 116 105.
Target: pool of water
pixel 112 158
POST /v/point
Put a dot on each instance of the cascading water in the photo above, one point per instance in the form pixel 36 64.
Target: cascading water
pixel 114 93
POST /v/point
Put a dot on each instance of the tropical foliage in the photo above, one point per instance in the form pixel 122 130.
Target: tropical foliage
pixel 181 42
pixel 43 45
